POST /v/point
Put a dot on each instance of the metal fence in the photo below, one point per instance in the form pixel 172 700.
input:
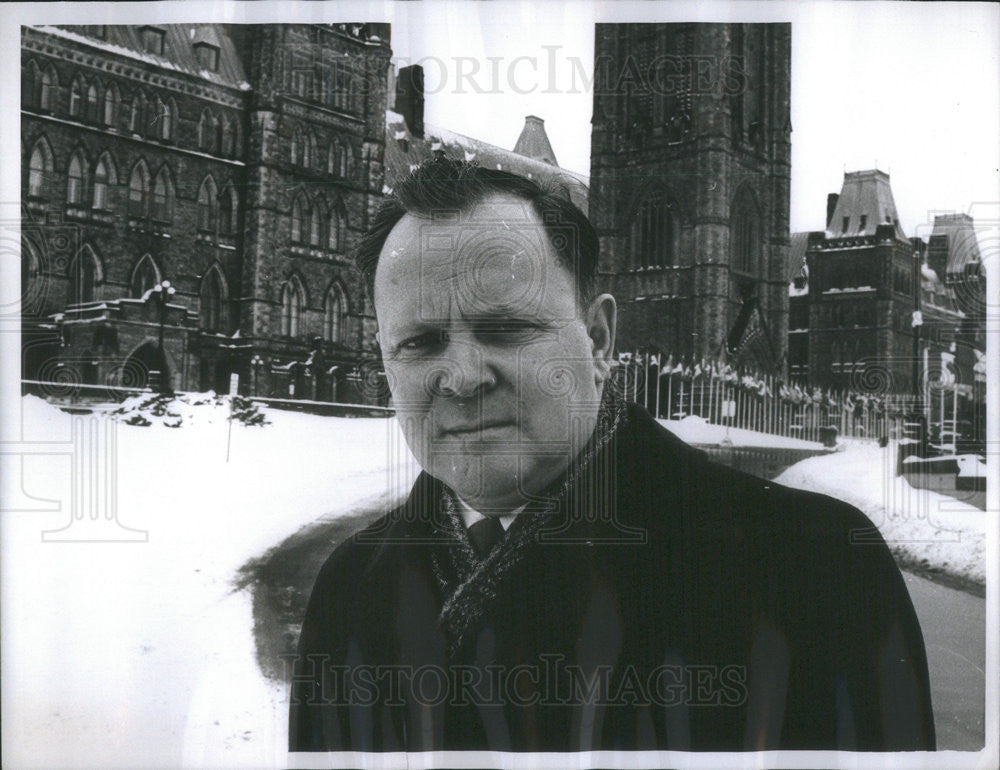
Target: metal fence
pixel 723 396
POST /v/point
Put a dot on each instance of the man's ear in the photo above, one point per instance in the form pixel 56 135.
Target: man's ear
pixel 601 319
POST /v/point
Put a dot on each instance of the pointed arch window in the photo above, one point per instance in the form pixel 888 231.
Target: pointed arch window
pixel 135 121
pixel 74 180
pixel 338 226
pixel 104 175
pixel 84 273
pixel 164 117
pixel 213 299
pixel 138 190
pixel 39 167
pixel 745 234
pixel 216 136
pixel 653 234
pixel 76 97
pixel 46 98
pixel 292 302
pixel 309 156
pixel 333 315
pixel 228 211
pixel 93 105
pixel 333 158
pixel 296 146
pixel 344 167
pixel 162 196
pixel 300 209
pixel 227 136
pixel 204 130
pixel 315 218
pixel 145 276
pixel 111 99
pixel 207 205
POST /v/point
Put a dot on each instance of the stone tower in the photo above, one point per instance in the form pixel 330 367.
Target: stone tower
pixel 316 138
pixel 690 170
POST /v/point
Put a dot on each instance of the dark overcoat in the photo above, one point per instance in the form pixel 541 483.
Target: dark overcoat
pixel 671 603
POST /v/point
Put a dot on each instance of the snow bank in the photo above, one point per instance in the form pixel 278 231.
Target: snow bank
pixel 924 529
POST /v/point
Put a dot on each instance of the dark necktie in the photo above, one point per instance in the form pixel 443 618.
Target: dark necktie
pixel 485 534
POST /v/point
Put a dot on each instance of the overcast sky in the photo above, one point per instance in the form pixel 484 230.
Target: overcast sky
pixel 910 88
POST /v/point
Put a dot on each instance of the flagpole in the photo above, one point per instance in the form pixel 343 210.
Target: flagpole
pixel 657 389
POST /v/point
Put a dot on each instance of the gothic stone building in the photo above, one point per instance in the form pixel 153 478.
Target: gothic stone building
pixel 238 164
pixel 690 170
pixel 856 287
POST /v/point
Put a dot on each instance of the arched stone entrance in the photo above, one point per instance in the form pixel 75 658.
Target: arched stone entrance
pixel 146 367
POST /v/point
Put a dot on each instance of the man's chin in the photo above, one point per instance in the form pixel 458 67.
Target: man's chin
pixel 489 484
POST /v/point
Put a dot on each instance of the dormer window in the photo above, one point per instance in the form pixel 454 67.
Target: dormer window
pixel 208 56
pixel 864 221
pixel 847 223
pixel 152 40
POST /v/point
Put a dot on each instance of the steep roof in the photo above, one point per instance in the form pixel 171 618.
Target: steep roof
pixel 404 152
pixel 865 202
pixel 534 142
pixel 178 47
pixel 960 237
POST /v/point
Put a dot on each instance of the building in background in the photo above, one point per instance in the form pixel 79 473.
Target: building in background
pixel 690 170
pixel 871 309
pixel 193 195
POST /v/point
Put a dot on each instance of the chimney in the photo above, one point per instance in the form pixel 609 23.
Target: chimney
pixel 831 206
pixel 410 98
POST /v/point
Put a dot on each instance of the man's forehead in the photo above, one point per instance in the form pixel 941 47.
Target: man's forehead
pixel 499 233
pixel 493 259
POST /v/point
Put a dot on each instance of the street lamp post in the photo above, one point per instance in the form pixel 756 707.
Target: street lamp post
pixel 162 293
pixel 256 362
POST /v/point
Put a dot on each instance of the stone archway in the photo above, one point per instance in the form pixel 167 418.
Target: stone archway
pixel 146 367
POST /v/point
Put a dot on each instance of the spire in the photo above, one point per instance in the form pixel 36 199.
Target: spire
pixel 533 141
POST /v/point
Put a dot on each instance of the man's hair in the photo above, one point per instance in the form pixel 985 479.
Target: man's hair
pixel 443 186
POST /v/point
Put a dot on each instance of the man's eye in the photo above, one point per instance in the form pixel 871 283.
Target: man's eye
pixel 422 341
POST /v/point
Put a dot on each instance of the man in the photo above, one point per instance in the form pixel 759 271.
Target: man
pixel 566 575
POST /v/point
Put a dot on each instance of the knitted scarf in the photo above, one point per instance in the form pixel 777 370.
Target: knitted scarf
pixel 469 583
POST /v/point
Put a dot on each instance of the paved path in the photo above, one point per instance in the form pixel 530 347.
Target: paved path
pixel 954 626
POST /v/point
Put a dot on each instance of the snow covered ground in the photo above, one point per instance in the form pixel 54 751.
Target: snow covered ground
pixel 697 430
pixel 141 654
pixel 924 529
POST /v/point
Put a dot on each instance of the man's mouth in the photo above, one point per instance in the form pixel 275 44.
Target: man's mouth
pixel 471 431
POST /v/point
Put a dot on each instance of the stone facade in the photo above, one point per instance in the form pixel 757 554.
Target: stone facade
pixel 856 286
pixel 690 172
pixel 241 164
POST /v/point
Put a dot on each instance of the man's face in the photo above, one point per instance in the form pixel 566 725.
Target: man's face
pixel 495 370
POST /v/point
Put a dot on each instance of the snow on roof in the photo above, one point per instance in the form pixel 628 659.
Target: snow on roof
pixel 178 48
pixel 454 145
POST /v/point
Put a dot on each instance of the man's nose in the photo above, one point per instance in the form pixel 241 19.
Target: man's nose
pixel 463 371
